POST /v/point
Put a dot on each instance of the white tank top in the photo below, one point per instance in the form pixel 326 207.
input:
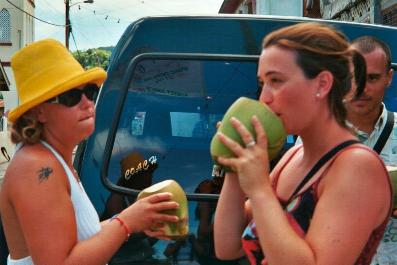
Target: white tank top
pixel 87 219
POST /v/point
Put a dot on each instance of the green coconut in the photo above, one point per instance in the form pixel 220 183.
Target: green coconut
pixel 172 230
pixel 243 109
pixel 393 178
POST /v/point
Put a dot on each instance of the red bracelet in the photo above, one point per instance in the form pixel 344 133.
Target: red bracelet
pixel 127 231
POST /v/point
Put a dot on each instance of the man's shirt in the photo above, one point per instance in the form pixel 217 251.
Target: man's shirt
pixel 389 151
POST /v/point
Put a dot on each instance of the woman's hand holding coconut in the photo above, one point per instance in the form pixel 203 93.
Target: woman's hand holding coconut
pixel 251 174
pixel 154 217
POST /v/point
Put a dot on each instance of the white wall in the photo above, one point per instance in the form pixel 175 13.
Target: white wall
pixel 22 33
pixel 274 7
pixel 279 7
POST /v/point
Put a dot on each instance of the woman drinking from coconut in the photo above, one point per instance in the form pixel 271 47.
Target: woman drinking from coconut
pixel 327 201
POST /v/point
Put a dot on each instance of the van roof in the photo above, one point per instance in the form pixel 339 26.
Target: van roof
pixel 220 34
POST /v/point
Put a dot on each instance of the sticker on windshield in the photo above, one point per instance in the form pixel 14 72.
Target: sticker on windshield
pixel 137 123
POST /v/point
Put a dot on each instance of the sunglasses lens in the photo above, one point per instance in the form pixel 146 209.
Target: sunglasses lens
pixel 70 98
pixel 91 91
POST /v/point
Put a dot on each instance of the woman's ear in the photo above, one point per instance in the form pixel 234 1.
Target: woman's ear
pixel 324 79
pixel 39 113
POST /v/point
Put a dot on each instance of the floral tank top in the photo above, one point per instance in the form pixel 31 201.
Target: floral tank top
pixel 299 211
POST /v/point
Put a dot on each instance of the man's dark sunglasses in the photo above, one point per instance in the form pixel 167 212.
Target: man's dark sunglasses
pixel 72 97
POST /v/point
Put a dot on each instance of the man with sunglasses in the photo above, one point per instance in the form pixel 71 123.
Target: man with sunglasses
pixel 46 214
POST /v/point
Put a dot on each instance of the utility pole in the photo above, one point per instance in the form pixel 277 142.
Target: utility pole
pixel 68 26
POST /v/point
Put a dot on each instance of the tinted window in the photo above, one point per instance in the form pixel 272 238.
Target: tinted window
pixel 169 118
pixel 166 125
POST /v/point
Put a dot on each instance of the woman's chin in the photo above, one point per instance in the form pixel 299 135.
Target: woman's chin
pixel 86 131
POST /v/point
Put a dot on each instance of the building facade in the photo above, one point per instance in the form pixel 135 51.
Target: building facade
pixel 16 31
pixel 365 11
pixel 267 7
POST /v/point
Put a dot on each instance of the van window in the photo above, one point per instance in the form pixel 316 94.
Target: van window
pixel 169 118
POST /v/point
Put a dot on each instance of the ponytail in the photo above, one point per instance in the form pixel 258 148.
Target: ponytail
pixel 360 72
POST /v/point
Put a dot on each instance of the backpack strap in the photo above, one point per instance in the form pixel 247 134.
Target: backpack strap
pixel 321 162
pixel 385 133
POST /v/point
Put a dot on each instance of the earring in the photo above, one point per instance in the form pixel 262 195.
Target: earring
pixel 318 95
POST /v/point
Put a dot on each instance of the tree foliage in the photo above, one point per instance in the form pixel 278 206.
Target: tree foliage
pixel 93 57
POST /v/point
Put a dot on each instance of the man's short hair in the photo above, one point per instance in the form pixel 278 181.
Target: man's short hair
pixel 367 44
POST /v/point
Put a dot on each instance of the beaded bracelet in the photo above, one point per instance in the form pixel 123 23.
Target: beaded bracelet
pixel 125 227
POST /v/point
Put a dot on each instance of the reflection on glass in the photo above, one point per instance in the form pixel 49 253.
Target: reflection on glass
pixel 171 111
pixel 198 125
pixel 169 77
pixel 167 122
pixel 198 246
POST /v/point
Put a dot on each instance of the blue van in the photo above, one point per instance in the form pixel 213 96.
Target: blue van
pixel 170 79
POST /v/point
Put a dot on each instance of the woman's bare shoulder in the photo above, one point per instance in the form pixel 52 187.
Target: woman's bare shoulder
pixel 359 158
pixel 359 163
pixel 32 166
pixel 360 169
pixel 359 178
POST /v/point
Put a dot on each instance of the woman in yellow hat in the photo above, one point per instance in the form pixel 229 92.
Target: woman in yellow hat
pixel 47 216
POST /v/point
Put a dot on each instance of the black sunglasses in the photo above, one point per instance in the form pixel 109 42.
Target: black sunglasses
pixel 72 97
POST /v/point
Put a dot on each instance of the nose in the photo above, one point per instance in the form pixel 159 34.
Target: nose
pixel 85 102
pixel 266 95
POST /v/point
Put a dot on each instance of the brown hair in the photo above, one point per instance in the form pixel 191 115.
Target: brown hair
pixel 367 44
pixel 320 47
pixel 26 130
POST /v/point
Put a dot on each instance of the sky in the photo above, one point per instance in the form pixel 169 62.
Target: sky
pixel 102 23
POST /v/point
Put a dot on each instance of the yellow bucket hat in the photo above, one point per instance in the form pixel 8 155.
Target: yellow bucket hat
pixel 45 69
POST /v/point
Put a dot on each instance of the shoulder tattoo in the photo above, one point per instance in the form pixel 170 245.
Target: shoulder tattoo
pixel 44 173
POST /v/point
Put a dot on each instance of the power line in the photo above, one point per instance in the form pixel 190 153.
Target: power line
pixel 82 34
pixel 39 19
pixel 105 15
pixel 93 51
pixel 110 11
pixel 74 40
pixel 55 9
pixel 100 22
